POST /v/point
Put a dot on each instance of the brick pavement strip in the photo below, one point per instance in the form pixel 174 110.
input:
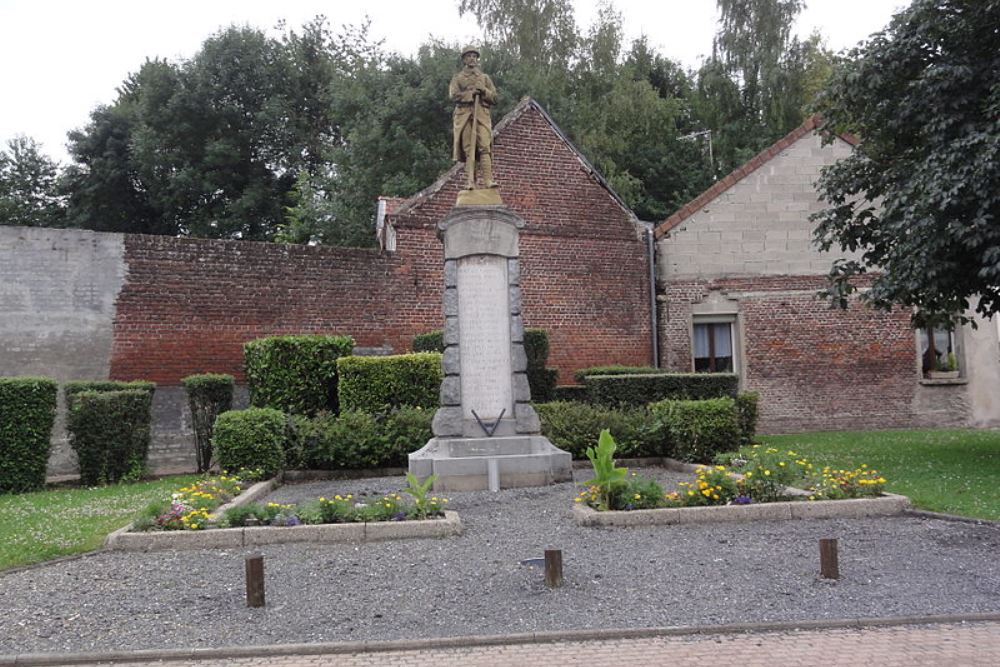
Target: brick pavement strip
pixel 971 643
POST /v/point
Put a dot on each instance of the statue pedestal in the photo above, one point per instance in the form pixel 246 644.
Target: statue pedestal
pixel 487 434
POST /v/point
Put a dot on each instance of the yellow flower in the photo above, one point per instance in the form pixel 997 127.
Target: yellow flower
pixel 578 500
pixel 749 473
pixel 337 497
pixel 781 464
pixel 638 496
pixel 767 472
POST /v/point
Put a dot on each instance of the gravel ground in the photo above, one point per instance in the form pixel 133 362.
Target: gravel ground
pixel 475 584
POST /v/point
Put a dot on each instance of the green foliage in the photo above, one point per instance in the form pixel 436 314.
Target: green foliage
pixel 581 374
pixel 608 477
pixel 570 392
pixel 74 387
pixel 27 412
pixel 767 471
pixel 746 408
pixel 372 384
pixel 362 440
pixel 295 374
pixel 418 491
pixel 574 427
pixel 644 389
pixel 432 341
pixel 110 433
pixel 711 486
pixel 697 430
pixel 28 192
pixel 250 439
pixel 209 395
pixel 919 196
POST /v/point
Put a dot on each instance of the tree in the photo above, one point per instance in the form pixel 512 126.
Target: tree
pixel 920 195
pixel 28 194
pixel 751 91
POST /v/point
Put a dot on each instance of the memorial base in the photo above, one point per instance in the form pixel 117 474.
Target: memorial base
pixel 470 464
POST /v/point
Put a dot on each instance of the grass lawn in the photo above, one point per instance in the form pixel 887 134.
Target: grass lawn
pixel 953 471
pixel 46 524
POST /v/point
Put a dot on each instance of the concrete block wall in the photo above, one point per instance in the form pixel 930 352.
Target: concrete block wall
pixel 759 225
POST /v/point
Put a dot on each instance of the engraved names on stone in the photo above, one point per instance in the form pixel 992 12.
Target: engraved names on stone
pixel 484 337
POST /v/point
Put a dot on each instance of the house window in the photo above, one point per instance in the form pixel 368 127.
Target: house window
pixel 713 347
pixel 937 350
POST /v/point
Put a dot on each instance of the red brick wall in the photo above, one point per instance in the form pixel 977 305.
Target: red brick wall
pixel 188 305
pixel 816 368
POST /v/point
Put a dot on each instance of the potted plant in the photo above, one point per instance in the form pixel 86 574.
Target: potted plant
pixel 945 369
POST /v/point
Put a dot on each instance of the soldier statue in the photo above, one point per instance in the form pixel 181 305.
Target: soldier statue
pixel 473 93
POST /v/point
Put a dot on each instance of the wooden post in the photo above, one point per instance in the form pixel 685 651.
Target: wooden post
pixel 828 566
pixel 553 568
pixel 255 580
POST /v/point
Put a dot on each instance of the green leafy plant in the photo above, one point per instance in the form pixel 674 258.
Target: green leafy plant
pixel 767 471
pixel 295 374
pixel 711 486
pixel 250 439
pixel 209 395
pixel 607 476
pixel 110 433
pixel 371 384
pixel 27 413
pixel 418 491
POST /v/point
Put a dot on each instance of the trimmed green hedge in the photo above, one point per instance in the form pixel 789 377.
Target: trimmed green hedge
pixel 614 369
pixel 356 440
pixel 74 387
pixel 432 341
pixel 746 408
pixel 110 433
pixel 575 426
pixel 644 389
pixel 571 392
pixel 27 412
pixel 372 384
pixel 295 374
pixel 696 431
pixel 209 395
pixel 251 439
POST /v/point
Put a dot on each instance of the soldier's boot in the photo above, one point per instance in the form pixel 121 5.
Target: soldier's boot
pixel 487 161
pixel 470 174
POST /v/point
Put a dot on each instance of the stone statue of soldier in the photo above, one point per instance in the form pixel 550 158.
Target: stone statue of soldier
pixel 473 93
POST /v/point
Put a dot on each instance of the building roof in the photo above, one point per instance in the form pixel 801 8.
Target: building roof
pixel 813 123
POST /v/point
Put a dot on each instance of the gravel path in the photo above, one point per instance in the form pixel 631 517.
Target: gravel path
pixel 474 584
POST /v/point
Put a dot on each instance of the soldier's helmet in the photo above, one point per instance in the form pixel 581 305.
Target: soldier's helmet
pixel 470 49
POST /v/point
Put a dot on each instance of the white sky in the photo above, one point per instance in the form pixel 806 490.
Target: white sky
pixel 58 60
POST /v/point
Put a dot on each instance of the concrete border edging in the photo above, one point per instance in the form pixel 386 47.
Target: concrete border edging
pixel 887 504
pixel 385 646
pixel 330 533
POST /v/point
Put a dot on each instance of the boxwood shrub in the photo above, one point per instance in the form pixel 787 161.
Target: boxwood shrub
pixel 355 440
pixel 27 412
pixel 746 407
pixel 574 427
pixel 74 387
pixel 695 431
pixel 110 433
pixel 251 439
pixel 643 389
pixel 295 374
pixel 209 395
pixel 373 384
pixel 432 341
pixel 571 392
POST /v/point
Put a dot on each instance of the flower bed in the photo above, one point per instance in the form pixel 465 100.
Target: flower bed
pixel 760 483
pixel 244 522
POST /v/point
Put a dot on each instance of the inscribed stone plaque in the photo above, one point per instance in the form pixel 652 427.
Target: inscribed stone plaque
pixel 484 336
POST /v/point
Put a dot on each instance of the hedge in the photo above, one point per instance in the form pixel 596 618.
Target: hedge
pixel 746 409
pixel 696 431
pixel 27 412
pixel 356 440
pixel 615 369
pixel 295 374
pixel 571 392
pixel 251 439
pixel 110 433
pixel 372 384
pixel 574 427
pixel 209 395
pixel 74 387
pixel 643 389
pixel 541 380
